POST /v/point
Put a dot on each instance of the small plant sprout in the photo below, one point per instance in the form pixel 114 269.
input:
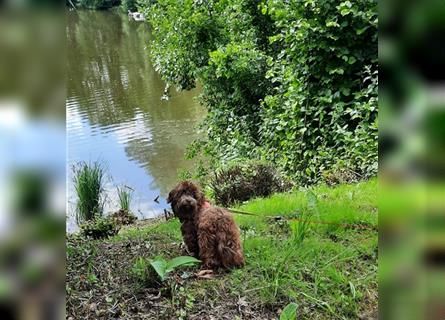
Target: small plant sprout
pixel 163 267
pixel 159 267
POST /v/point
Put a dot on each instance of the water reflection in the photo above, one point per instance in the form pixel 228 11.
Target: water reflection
pixel 115 113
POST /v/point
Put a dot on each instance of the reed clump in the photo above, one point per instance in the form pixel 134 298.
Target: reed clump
pixel 89 179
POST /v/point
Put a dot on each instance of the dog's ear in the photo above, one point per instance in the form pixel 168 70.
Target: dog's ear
pixel 171 196
pixel 200 197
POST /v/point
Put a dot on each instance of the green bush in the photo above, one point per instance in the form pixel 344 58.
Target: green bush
pixel 239 182
pixel 292 82
pixel 123 217
pixel 99 228
pixel 185 33
pixel 129 5
pixel 323 112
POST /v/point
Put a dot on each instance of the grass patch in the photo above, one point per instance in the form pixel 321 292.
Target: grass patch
pixel 124 216
pixel 125 195
pixel 329 271
pixel 89 186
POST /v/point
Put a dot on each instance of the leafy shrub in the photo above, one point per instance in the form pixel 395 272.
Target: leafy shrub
pixel 89 186
pixel 241 181
pixel 129 5
pixel 292 82
pixel 123 217
pixel 323 113
pixel 179 55
pixel 99 228
pixel 339 176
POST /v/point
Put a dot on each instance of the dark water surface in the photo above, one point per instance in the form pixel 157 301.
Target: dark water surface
pixel 115 113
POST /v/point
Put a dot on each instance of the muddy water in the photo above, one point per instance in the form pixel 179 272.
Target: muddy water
pixel 115 113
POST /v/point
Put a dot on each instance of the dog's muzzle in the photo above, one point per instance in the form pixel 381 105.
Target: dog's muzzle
pixel 187 203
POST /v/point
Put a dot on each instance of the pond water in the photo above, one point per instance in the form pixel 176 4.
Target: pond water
pixel 115 114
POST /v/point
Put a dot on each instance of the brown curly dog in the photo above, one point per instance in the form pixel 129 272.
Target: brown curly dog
pixel 209 233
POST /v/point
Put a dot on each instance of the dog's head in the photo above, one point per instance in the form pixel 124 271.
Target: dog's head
pixel 186 200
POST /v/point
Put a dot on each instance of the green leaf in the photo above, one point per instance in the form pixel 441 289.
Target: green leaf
pixel 180 261
pixel 360 31
pixel 352 60
pixel 289 312
pixel 352 287
pixel 332 24
pixel 160 267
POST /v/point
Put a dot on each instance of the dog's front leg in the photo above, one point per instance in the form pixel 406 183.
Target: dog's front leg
pixel 207 252
pixel 190 238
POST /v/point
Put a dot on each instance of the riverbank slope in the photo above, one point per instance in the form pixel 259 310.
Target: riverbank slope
pixel 322 254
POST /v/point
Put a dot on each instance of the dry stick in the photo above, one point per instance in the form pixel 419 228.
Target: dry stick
pixel 346 225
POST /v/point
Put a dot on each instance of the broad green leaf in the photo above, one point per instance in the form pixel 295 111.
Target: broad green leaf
pixel 160 267
pixel 352 60
pixel 289 312
pixel 180 261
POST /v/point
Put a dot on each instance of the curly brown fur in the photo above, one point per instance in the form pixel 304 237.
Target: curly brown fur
pixel 209 232
pixel 186 199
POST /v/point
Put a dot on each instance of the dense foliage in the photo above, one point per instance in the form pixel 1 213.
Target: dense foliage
pixel 242 181
pixel 293 82
pixel 96 4
pixel 125 5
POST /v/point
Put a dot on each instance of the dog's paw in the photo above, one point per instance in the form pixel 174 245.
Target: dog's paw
pixel 184 248
pixel 205 274
pixel 185 251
